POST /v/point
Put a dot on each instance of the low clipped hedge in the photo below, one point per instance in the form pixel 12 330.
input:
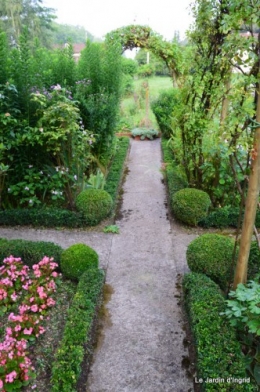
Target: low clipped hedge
pixel 116 169
pixel 218 353
pixel 77 259
pixel 31 252
pixel 94 204
pixel 225 217
pixel 211 254
pixel 45 217
pixel 175 181
pixel 75 348
pixel 168 156
pixel 190 205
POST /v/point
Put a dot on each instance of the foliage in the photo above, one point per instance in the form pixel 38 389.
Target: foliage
pixel 95 204
pixel 98 91
pixel 77 334
pixel 145 71
pixel 129 66
pixel 218 352
pixel 158 64
pixel 96 181
pixel 111 229
pixel 29 251
pixel 190 205
pixel 116 169
pixel 163 107
pixel 46 217
pixel 145 133
pixel 243 313
pixel 64 33
pixel 78 259
pixel 175 180
pixel 212 255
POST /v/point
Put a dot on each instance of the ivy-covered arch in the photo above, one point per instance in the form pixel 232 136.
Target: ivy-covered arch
pixel 137 36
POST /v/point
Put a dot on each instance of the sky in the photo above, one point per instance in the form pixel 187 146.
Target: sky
pixel 99 17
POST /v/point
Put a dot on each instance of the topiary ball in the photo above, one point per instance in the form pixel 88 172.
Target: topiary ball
pixel 95 204
pixel 211 254
pixel 190 205
pixel 77 259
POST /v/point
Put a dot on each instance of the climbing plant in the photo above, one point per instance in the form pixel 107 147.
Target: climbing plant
pixel 136 36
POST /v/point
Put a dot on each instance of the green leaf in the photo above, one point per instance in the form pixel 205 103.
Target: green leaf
pixel 257 373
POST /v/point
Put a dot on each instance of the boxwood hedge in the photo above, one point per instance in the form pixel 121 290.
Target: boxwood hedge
pixel 218 353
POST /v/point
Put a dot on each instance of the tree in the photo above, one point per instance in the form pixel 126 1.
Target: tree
pixel 14 14
pixel 62 33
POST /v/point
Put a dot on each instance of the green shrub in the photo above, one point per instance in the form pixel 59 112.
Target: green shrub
pixel 46 217
pixel 31 252
pixel 77 259
pixel 163 107
pixel 253 261
pixel 190 205
pixel 95 204
pixel 116 169
pixel 211 254
pixel 77 338
pixel 168 156
pixel 175 181
pixel 218 353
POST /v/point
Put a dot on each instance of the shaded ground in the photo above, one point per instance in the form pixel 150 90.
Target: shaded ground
pixel 142 345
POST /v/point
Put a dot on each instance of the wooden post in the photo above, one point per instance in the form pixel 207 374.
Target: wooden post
pixel 251 205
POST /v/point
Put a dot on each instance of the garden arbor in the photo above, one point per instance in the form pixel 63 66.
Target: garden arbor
pixel 136 36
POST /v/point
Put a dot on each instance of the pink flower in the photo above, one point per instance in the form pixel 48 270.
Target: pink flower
pixel 11 376
pixel 28 331
pixel 1 384
pixel 34 308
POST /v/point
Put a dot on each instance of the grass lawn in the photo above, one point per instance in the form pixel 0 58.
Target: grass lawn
pixel 133 108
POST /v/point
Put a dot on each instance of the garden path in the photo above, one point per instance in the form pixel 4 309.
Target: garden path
pixel 142 349
pixel 141 345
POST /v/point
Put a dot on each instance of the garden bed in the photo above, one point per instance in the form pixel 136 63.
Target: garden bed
pixel 62 354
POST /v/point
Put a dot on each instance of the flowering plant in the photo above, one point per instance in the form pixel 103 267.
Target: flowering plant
pixel 33 289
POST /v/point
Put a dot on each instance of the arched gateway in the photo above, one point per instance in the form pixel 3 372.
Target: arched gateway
pixel 136 36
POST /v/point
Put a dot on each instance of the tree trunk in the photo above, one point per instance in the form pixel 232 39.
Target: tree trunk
pixel 251 206
pixel 225 102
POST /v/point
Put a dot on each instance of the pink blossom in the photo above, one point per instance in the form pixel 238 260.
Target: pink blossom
pixel 11 376
pixel 28 331
pixel 1 384
pixel 34 308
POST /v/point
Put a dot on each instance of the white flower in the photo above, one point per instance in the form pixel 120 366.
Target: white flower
pixel 75 177
pixel 57 87
pixel 30 166
pixel 27 188
pixel 30 201
pixel 41 129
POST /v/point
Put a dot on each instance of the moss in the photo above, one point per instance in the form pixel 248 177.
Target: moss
pixel 190 205
pixel 77 259
pixel 211 254
pixel 95 204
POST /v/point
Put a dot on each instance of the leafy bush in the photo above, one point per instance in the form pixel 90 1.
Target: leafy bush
pixel 163 107
pixel 218 353
pixel 175 181
pixel 95 204
pixel 190 205
pixel 29 251
pixel 77 337
pixel 77 259
pixel 116 169
pixel 253 261
pixel 47 217
pixel 168 155
pixel 211 254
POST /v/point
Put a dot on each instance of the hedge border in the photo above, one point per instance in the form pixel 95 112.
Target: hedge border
pixel 57 217
pixel 76 345
pixel 218 353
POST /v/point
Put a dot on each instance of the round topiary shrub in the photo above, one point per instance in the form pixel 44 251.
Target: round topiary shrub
pixel 77 259
pixel 211 254
pixel 190 205
pixel 95 204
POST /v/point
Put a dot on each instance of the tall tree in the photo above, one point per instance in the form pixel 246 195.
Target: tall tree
pixel 14 14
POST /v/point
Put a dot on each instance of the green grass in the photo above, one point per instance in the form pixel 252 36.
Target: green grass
pixel 133 108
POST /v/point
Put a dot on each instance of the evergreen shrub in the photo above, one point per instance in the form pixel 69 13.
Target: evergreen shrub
pixel 211 254
pixel 190 205
pixel 31 252
pixel 218 352
pixel 77 259
pixel 95 204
